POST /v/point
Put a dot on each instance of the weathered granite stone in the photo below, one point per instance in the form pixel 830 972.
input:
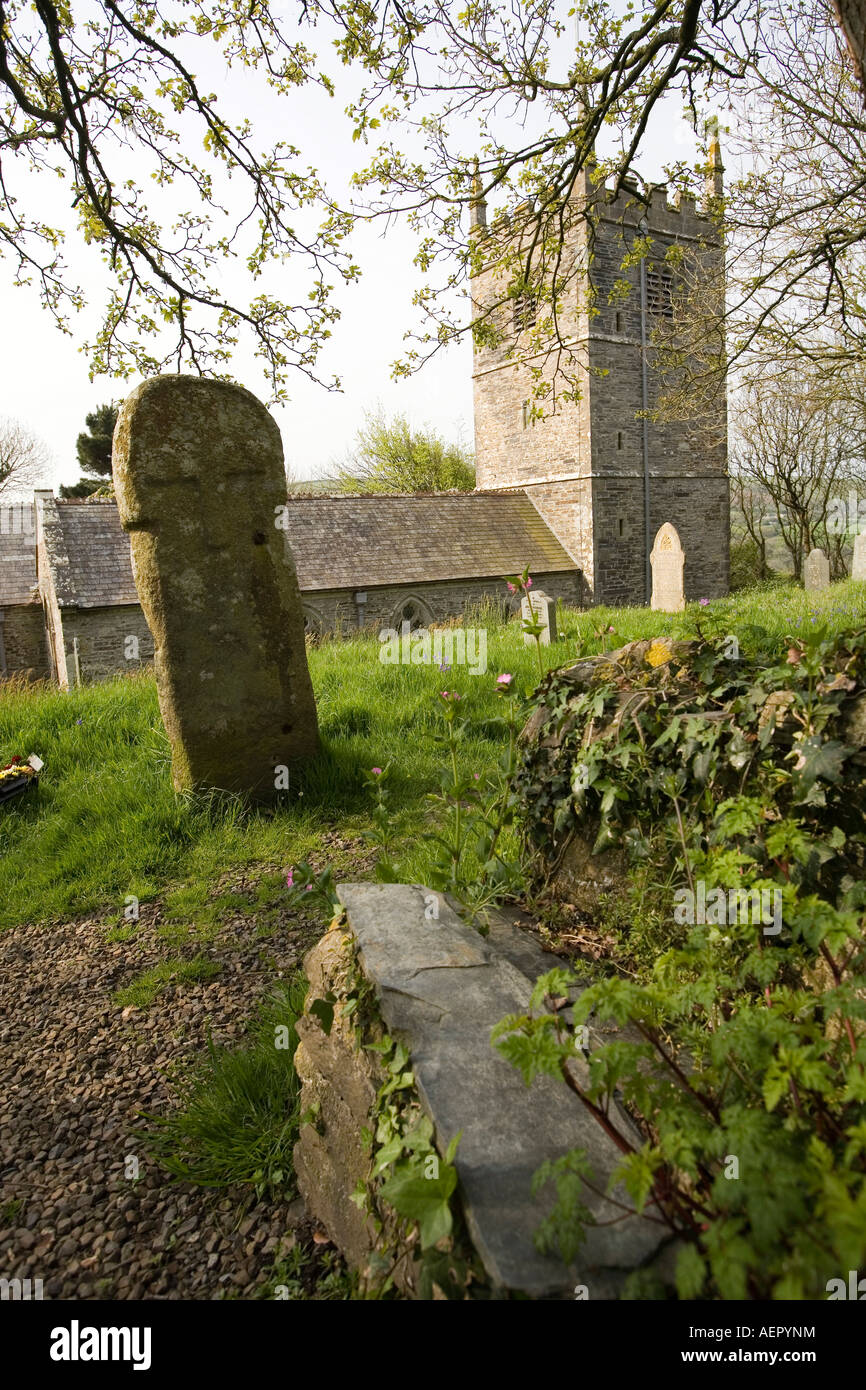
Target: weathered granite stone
pixel 816 572
pixel 339 1083
pixel 535 608
pixel 858 564
pixel 584 878
pixel 198 472
pixel 441 988
pixel 667 560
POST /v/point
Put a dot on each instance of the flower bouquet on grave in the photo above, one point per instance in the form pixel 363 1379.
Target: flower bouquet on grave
pixel 18 775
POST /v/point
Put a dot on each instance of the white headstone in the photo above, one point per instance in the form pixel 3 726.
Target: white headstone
pixel 817 571
pixel 858 564
pixel 535 608
pixel 667 559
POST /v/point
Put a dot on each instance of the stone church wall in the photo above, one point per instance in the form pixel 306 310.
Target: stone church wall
pixel 103 635
pixel 22 627
pixel 337 611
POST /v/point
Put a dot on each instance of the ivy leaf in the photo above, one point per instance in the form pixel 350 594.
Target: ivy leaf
pixel 388 1154
pixel 425 1200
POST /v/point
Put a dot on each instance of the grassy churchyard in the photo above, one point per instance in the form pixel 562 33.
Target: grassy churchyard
pixel 106 823
pixel 164 936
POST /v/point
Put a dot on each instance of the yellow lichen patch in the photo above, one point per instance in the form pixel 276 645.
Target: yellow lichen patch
pixel 659 654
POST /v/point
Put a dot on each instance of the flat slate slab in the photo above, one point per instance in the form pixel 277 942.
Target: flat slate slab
pixel 441 989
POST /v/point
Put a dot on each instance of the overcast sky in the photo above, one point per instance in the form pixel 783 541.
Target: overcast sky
pixel 44 376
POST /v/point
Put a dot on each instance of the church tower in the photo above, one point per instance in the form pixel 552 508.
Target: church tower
pixel 603 475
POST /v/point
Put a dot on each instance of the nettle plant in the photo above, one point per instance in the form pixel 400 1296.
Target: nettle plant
pixel 741 1049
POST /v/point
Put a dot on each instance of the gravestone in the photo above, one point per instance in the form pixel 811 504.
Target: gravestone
pixel 858 564
pixel 200 483
pixel 535 608
pixel 817 571
pixel 667 560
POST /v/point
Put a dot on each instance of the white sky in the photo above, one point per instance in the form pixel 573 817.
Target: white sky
pixel 44 376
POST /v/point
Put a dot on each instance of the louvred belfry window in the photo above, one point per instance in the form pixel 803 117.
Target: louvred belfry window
pixel 660 293
pixel 524 312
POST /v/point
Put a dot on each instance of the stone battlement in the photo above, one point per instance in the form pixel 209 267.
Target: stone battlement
pixel 670 212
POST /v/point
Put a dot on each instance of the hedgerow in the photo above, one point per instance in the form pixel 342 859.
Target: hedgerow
pixel 741 1046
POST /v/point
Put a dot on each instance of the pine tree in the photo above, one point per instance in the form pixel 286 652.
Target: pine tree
pixel 93 449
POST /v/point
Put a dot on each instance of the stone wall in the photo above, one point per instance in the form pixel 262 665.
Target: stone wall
pixel 103 632
pixel 440 988
pixel 22 628
pixel 103 635
pixel 337 611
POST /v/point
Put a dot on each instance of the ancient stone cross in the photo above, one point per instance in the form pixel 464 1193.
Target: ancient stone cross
pixel 199 477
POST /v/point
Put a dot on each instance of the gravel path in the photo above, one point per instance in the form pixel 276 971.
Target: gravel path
pixel 76 1069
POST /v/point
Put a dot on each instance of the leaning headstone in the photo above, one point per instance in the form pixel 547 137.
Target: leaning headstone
pixel 200 483
pixel 858 564
pixel 535 608
pixel 667 560
pixel 817 571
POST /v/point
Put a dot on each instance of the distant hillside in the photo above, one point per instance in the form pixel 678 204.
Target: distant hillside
pixel 310 487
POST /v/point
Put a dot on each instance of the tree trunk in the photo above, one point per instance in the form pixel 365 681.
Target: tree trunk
pixel 852 17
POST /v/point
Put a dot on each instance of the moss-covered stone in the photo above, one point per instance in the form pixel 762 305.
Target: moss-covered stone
pixel 199 476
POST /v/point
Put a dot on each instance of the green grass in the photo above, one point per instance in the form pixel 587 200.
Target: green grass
pixel 310 1274
pixel 143 990
pixel 105 822
pixel 237 1114
pixel 11 1211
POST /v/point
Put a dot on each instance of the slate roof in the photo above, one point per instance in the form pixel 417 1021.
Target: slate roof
pixel 360 542
pixel 337 542
pixel 89 553
pixel 17 554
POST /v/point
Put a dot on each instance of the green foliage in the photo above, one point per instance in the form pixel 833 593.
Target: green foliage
pixel 308 1274
pixel 151 983
pixel 307 888
pixel 522 584
pixel 393 456
pixel 151 130
pixel 412 1185
pixel 93 451
pixel 564 1229
pixel 745 1046
pixel 381 831
pixel 11 1211
pixel 472 860
pixel 85 487
pixel 424 1199
pixel 746 563
pixel 93 446
pixel 106 821
pixel 237 1114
